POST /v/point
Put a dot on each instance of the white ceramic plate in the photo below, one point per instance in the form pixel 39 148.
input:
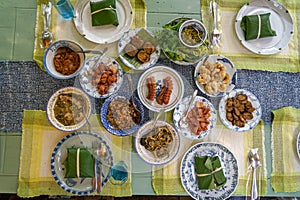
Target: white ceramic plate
pixel 188 173
pixel 181 109
pixel 280 19
pixel 85 78
pixel 148 156
pixel 298 145
pixel 250 124
pixel 78 186
pixel 126 38
pixel 230 69
pixel 102 34
pixel 161 72
pixel 52 101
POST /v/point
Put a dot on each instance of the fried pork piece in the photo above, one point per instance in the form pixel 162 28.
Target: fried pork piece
pixel 143 56
pixel 131 50
pixel 137 42
pixel 151 86
pixel 166 91
pixel 149 48
pixel 198 118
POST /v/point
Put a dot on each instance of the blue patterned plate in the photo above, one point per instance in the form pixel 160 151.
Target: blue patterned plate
pixel 229 68
pixel 180 110
pixel 77 186
pixel 109 127
pixel 250 124
pixel 134 63
pixel 188 173
pixel 85 76
pixel 298 145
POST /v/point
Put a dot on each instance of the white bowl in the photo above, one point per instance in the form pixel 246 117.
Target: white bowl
pixel 51 52
pixel 87 109
pixel 149 156
pixel 197 25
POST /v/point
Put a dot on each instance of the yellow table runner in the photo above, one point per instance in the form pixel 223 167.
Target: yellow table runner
pixel 166 180
pixel 39 138
pixel 287 60
pixel 66 30
pixel 285 176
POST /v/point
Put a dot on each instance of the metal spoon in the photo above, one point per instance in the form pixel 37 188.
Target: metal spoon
pixel 137 116
pixel 46 35
pixel 254 163
pixel 89 51
pixel 182 122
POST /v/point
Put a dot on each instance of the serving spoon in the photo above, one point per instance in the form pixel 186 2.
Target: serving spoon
pixel 137 116
pixel 46 35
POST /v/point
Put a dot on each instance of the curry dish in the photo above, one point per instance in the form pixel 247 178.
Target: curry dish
pixel 68 109
pixel 66 61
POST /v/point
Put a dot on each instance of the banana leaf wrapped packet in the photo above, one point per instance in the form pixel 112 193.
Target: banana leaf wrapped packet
pixel 209 171
pixel 104 12
pixel 82 163
pixel 257 26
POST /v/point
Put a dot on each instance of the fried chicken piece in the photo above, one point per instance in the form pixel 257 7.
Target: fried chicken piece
pixel 143 56
pixel 137 41
pixel 149 48
pixel 131 50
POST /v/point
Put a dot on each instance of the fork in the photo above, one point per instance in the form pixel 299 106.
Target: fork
pixel 216 33
pixel 96 182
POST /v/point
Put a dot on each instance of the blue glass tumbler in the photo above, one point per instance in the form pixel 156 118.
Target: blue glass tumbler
pixel 65 8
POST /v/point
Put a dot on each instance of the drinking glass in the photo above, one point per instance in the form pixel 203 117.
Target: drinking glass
pixel 65 8
pixel 118 173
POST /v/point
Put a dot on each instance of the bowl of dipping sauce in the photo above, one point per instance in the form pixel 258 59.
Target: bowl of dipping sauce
pixel 192 33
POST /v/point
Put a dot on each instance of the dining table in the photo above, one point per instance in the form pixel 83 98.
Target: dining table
pixel 28 139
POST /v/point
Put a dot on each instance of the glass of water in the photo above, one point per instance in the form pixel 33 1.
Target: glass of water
pixel 118 173
pixel 65 8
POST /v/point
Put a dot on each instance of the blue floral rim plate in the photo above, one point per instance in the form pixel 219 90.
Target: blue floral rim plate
pixel 109 127
pixel 134 63
pixel 228 163
pixel 85 76
pixel 78 186
pixel 229 68
pixel 180 110
pixel 250 124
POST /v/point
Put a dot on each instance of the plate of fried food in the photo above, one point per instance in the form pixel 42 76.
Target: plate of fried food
pixel 160 88
pixel 200 119
pixel 119 116
pixel 159 144
pixel 68 109
pixel 215 75
pixel 240 110
pixel 138 49
pixel 101 78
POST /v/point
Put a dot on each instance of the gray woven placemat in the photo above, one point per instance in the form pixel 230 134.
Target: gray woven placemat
pixel 25 86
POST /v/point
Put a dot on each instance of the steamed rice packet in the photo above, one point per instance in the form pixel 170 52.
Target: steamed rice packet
pixel 209 172
pixel 257 26
pixel 79 163
pixel 104 12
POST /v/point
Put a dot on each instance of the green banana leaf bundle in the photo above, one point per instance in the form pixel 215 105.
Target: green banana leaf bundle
pixel 104 12
pixel 209 171
pixel 257 26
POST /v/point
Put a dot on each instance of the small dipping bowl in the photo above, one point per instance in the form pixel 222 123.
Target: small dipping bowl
pixel 192 33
